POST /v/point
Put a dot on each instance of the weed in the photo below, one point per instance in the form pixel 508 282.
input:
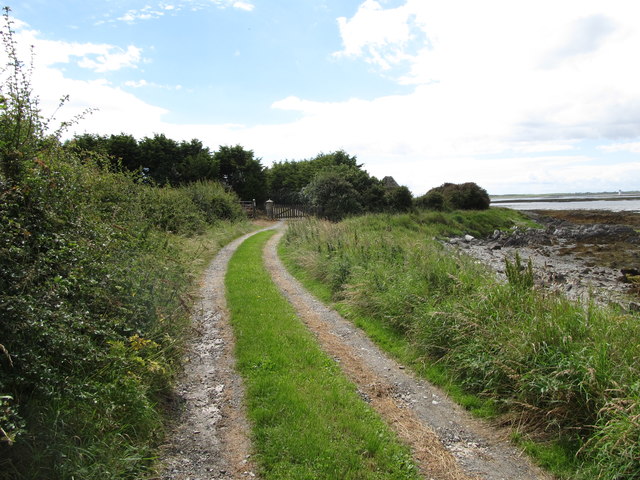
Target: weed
pixel 519 275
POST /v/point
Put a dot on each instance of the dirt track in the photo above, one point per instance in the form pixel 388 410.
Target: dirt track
pixel 210 437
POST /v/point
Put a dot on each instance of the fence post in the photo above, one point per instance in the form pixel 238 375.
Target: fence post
pixel 269 208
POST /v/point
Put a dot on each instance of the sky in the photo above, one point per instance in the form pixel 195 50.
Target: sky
pixel 518 96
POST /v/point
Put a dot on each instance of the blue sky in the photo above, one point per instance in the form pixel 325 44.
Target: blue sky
pixel 520 97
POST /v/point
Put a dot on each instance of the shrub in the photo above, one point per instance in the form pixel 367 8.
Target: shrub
pixel 334 196
pixel 465 196
pixel 214 201
pixel 399 199
pixel 432 200
pixel 519 276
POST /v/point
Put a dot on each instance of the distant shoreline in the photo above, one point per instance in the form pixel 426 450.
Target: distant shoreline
pixel 577 198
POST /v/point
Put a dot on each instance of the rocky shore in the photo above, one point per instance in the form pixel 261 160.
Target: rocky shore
pixel 584 254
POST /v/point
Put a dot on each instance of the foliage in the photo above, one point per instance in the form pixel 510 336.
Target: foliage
pixel 432 200
pixel 563 369
pixel 333 195
pixel 93 292
pixel 464 196
pixel 286 179
pixel 399 199
pixel 241 172
pixel 353 190
pixel 165 161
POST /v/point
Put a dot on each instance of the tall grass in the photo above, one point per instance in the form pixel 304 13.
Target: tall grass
pixel 559 368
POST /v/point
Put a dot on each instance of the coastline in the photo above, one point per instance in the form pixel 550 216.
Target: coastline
pixel 582 253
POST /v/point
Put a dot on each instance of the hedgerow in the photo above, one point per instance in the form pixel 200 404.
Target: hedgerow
pixel 93 297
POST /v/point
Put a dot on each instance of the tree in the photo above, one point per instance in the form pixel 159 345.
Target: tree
pixel 286 180
pixel 333 195
pixel 161 156
pixel 241 172
pixel 399 199
pixel 432 200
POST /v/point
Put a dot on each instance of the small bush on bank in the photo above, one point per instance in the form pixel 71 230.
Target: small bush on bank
pixel 464 196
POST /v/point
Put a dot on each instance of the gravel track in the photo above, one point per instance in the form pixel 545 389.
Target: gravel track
pixel 447 442
pixel 209 438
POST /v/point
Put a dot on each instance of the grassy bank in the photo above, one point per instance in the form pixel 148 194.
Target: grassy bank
pixel 566 372
pixel 308 421
pixel 96 271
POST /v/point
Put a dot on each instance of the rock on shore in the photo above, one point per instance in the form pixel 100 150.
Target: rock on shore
pixel 570 254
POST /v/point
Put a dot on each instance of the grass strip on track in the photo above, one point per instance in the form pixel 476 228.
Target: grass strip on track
pixel 308 420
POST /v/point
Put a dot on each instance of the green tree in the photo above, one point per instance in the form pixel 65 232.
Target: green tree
pixel 126 150
pixel 399 199
pixel 161 156
pixel 287 179
pixel 333 195
pixel 240 171
pixel 22 127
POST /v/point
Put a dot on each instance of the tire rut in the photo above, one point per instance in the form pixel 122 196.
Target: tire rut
pixel 209 440
pixel 446 441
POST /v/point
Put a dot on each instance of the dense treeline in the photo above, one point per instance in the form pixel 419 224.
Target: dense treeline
pixel 333 182
pixel 93 296
pixel 167 162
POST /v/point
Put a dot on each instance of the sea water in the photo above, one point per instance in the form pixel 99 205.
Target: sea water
pixel 611 205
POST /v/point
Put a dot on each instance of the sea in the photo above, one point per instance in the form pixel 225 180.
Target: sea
pixel 614 202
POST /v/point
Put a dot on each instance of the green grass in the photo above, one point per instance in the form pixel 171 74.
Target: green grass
pixel 392 341
pixel 308 421
pixel 560 368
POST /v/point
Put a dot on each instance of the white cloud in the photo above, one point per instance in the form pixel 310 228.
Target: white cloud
pixel 246 6
pixel 145 84
pixel 99 57
pixel 492 79
pixel 380 36
pixel 109 58
pixel 137 84
pixel 633 147
pixel 159 9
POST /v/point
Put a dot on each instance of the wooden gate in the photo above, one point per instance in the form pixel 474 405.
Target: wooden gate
pixel 282 211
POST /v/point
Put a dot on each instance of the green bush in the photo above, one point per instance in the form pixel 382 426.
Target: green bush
pixel 214 202
pixel 333 196
pixel 464 196
pixel 432 200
